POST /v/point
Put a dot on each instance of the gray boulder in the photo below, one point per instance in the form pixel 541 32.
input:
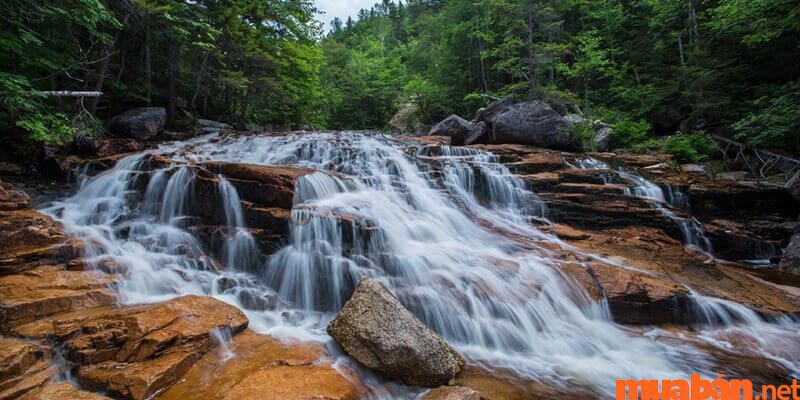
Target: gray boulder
pixel 532 123
pixel 139 123
pixel 375 329
pixel 494 108
pixel 790 263
pixel 477 133
pixel 453 126
pixel 602 137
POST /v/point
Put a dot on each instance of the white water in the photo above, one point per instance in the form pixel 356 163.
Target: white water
pixel 450 235
pixel 691 230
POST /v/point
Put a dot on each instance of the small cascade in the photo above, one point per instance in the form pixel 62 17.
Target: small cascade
pixel 725 323
pixel 222 338
pixel 239 251
pixel 691 229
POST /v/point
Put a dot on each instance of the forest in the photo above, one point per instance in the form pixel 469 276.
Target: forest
pixel 678 69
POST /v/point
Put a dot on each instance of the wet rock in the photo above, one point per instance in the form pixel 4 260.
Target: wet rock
pixel 375 329
pixel 537 162
pixel 12 199
pixel 264 368
pixel 137 381
pixel 273 219
pixel 454 127
pixel 267 186
pixel 487 114
pixel 790 263
pixel 16 357
pixel 28 237
pixel 638 299
pixel 47 291
pixel 110 147
pixel 62 390
pixel 139 123
pixel 254 300
pixel 478 133
pixel 452 393
pixel 508 152
pixel 131 352
pixel 633 160
pixel 531 123
pixel 293 383
pixel 430 140
pixel 23 368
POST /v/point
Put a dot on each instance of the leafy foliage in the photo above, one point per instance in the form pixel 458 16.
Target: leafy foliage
pixel 236 60
pixel 774 119
pixel 629 133
pixel 678 65
pixel 690 147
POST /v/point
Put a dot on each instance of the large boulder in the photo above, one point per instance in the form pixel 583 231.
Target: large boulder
pixel 790 262
pixel 454 127
pixel 139 123
pixel 532 123
pixel 488 113
pixel 477 133
pixel 375 329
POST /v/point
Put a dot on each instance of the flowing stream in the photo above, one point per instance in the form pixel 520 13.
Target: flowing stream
pixel 691 230
pixel 450 231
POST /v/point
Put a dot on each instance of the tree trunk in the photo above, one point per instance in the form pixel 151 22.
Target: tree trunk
pixel 147 60
pixel 483 67
pixel 532 84
pixel 98 85
pixel 199 80
pixel 173 55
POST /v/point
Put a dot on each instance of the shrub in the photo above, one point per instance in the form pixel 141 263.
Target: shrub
pixel 774 122
pixel 629 133
pixel 582 133
pixel 690 147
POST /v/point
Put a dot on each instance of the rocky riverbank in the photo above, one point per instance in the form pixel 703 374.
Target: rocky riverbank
pixel 67 334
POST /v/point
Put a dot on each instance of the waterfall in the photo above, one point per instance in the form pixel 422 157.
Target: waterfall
pixel 691 230
pixel 448 230
pixel 239 251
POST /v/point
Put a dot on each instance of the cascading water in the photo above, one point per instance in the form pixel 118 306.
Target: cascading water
pixel 447 230
pixel 691 230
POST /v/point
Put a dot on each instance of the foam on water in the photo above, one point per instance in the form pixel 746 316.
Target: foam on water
pixel 450 236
